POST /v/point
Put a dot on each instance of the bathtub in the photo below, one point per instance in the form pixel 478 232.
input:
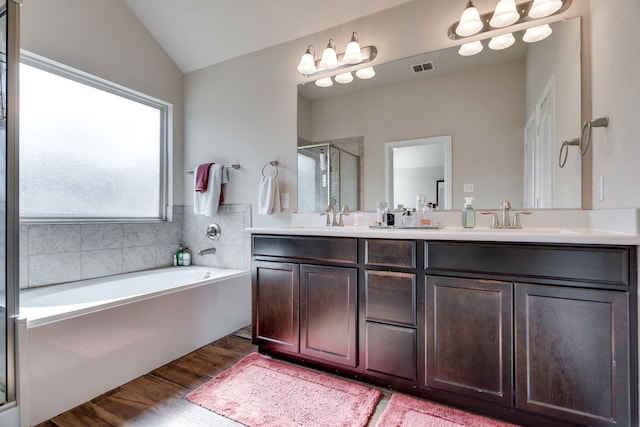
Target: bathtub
pixel 78 340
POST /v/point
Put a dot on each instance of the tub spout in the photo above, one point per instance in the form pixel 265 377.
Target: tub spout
pixel 207 251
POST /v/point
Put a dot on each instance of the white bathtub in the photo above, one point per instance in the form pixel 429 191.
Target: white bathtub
pixel 81 339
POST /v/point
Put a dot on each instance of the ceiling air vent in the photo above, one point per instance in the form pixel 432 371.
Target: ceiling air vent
pixel 427 66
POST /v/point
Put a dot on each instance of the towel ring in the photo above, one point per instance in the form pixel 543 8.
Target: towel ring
pixel 273 163
pixel 588 125
pixel 565 147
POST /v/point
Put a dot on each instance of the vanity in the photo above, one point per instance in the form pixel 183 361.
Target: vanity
pixel 536 328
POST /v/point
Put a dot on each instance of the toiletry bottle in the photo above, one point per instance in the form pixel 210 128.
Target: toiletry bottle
pixel 425 218
pixel 186 256
pixel 382 213
pixel 468 213
pixel 180 255
pixel 421 201
pixel 175 260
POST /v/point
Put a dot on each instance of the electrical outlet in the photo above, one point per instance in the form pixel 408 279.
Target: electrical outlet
pixel 467 188
pixel 284 200
pixel 600 189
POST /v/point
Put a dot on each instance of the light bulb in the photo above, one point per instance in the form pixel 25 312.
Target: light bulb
pixel 501 42
pixel 307 63
pixel 535 34
pixel 542 8
pixel 469 49
pixel 365 73
pixel 470 22
pixel 324 82
pixel 344 78
pixel 329 58
pixel 352 54
pixel 505 14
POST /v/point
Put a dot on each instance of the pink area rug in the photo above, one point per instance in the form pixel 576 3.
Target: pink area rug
pixel 405 411
pixel 259 391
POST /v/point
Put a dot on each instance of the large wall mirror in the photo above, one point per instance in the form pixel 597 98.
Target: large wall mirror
pixel 507 114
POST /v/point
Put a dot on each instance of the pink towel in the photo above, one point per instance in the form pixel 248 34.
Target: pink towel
pixel 202 177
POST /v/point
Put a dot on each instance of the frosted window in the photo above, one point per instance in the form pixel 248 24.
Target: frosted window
pixel 87 152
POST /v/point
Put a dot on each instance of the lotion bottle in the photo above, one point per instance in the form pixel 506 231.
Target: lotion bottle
pixel 468 213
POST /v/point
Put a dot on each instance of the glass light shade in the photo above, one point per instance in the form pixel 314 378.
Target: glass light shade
pixel 307 64
pixel 469 49
pixel 365 73
pixel 329 58
pixel 502 42
pixel 505 14
pixel 542 8
pixel 324 82
pixel 352 54
pixel 535 34
pixel 344 78
pixel 470 22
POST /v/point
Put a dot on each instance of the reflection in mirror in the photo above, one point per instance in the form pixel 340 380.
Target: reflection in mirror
pixel 328 174
pixel 419 166
pixel 490 104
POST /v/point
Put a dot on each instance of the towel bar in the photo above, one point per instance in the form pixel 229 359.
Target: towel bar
pixel 234 166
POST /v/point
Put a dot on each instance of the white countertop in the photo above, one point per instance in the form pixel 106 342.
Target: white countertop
pixel 589 229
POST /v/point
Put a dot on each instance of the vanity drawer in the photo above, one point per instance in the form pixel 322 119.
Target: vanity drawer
pixel 390 253
pixel 585 266
pixel 341 250
pixel 390 297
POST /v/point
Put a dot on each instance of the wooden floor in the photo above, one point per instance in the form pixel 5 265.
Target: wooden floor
pixel 157 398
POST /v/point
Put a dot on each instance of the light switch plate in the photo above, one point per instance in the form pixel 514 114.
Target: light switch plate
pixel 467 188
pixel 284 200
pixel 600 189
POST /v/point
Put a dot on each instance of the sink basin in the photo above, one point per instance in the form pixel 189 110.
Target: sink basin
pixel 519 230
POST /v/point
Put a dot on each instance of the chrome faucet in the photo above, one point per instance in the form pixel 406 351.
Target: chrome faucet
pixel 504 221
pixel 335 219
pixel 344 212
pixel 330 211
pixel 506 207
pixel 207 251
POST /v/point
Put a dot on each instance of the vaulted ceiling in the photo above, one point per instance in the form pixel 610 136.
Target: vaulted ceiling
pixel 200 33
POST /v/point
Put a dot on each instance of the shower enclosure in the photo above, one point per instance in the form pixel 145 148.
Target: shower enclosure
pixel 327 175
pixel 9 60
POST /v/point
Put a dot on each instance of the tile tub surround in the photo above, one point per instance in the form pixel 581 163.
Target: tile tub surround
pixel 233 249
pixel 60 253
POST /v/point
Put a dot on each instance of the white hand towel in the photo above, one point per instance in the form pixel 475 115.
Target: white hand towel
pixel 207 202
pixel 269 196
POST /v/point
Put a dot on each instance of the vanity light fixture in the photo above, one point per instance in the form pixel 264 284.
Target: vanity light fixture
pixel 543 8
pixel 353 53
pixel 472 48
pixel 470 22
pixel 507 14
pixel 344 77
pixel 307 63
pixel 502 41
pixel 331 62
pixel 329 57
pixel 324 82
pixel 365 73
pixel 535 34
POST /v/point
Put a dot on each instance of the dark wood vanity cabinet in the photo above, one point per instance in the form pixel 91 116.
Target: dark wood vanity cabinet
pixel 389 316
pixel 572 354
pixel 304 299
pixel 537 334
pixel 469 337
pixel 571 334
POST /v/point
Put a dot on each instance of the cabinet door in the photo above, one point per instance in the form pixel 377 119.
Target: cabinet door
pixel 572 354
pixel 275 305
pixel 328 313
pixel 469 337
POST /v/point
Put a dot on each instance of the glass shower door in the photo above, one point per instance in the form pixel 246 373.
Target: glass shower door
pixel 9 228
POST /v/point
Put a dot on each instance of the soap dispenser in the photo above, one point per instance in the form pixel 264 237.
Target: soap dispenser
pixel 468 213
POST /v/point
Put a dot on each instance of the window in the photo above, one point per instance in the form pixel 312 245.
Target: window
pixel 89 149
